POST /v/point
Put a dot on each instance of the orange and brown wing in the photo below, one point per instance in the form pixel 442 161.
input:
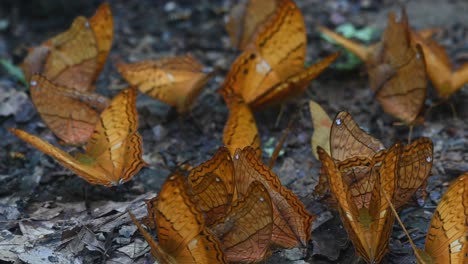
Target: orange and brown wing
pixel 379 209
pixel 246 18
pixel 180 225
pixel 116 145
pixel 349 212
pixel 241 129
pixel 72 60
pixel 245 232
pixel 447 238
pixel 176 81
pixel 70 114
pixel 212 185
pixel 348 140
pixel 397 72
pixel 414 167
pixel 102 24
pixel 83 168
pixel 292 222
pixel 293 86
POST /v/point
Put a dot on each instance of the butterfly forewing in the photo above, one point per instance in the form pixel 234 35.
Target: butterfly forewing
pixel 180 225
pixel 245 232
pixel 292 222
pixel 447 238
pixel 212 185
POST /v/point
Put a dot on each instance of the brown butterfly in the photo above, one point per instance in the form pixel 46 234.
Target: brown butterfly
pixel 271 69
pixel 291 222
pixel 212 185
pixel 245 231
pixel 349 144
pixel 176 81
pixel 440 70
pixel 182 235
pixel 397 72
pixel 245 18
pixel 70 114
pixel 396 69
pixel 365 214
pixel 75 57
pixel 241 129
pixel 113 153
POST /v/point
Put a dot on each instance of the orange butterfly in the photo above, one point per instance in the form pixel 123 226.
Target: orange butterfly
pixel 70 114
pixel 182 235
pixel 365 213
pixel 245 232
pixel 241 129
pixel 212 185
pixel 396 69
pixel 350 145
pixel 397 72
pixel 447 240
pixel 291 222
pixel 246 18
pixel 440 70
pixel 176 81
pixel 114 152
pixel 75 57
pixel 271 68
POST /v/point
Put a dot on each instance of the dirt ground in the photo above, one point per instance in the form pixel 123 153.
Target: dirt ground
pixel 48 215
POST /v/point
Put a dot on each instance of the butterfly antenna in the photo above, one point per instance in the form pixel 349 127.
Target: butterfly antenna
pixel 279 145
pixel 416 252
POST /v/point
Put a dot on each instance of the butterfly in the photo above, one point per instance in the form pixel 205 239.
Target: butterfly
pixel 246 18
pixel 181 231
pixel 212 185
pixel 271 68
pixel 176 81
pixel 241 129
pixel 75 57
pixel 113 154
pixel 349 144
pixel 365 214
pixel 397 72
pixel 291 222
pixel 440 70
pixel 446 239
pixel 245 231
pixel 396 69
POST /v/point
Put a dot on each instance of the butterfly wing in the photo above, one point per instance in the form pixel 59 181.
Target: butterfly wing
pixel 85 170
pixel 180 225
pixel 246 18
pixel 241 129
pixel 348 140
pixel 176 81
pixel 102 25
pixel 397 72
pixel 71 115
pixel 245 231
pixel 292 222
pixel 115 144
pixel 447 239
pixel 414 167
pixel 72 59
pixel 212 185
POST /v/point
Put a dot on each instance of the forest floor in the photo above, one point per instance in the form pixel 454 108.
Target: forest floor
pixel 48 215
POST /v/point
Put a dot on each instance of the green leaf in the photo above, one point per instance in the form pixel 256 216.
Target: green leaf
pixel 14 71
